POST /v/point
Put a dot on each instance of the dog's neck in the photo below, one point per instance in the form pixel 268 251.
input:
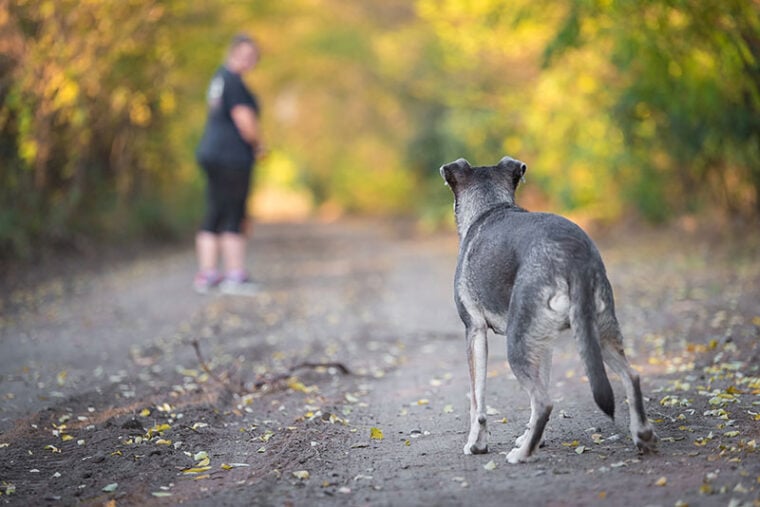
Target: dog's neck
pixel 468 208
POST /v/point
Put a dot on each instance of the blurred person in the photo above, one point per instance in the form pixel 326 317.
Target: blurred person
pixel 227 152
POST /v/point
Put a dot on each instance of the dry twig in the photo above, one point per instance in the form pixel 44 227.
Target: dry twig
pixel 267 381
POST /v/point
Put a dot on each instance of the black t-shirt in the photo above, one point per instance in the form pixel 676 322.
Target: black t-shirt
pixel 221 144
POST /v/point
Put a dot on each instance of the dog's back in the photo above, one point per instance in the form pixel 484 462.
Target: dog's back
pixel 545 250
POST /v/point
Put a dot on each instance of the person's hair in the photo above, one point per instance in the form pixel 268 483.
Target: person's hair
pixel 241 38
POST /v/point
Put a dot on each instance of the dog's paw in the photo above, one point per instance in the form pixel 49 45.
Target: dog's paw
pixel 475 449
pixel 646 440
pixel 517 455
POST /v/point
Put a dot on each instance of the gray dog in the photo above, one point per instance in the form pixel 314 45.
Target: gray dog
pixel 528 276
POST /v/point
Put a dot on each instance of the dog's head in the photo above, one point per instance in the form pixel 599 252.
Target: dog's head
pixel 477 189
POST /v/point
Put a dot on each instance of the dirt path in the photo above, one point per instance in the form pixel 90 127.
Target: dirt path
pixel 103 398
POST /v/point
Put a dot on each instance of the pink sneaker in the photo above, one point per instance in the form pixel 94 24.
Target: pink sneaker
pixel 204 281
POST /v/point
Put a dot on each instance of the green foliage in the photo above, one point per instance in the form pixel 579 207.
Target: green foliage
pixel 650 107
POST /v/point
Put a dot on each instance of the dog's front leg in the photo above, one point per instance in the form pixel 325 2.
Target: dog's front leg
pixel 477 359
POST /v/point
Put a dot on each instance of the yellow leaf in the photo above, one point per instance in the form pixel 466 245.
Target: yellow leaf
pixel 196 470
pixel 144 412
pixel 491 465
pixel 407 442
pixel 204 462
pixel 376 434
pixel 423 401
pixel 52 448
pixel 662 481
pixel 225 466
pixel 163 441
pixel 66 438
pixel 299 386
pixel 301 474
pixel 157 429
pixel 602 495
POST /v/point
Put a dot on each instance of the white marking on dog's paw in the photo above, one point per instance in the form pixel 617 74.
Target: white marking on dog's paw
pixel 516 455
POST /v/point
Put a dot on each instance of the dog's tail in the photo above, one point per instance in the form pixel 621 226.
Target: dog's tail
pixel 583 324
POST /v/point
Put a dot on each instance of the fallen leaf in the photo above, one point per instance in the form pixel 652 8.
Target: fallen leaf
pixel 376 434
pixel 163 441
pixel 662 481
pixel 491 465
pixel 161 494
pixel 111 487
pixel 580 449
pixel 230 466
pixel 159 428
pixel 196 470
pixel 301 474
pixel 144 412
pixel 448 409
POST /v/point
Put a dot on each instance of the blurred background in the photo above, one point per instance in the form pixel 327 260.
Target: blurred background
pixel 643 110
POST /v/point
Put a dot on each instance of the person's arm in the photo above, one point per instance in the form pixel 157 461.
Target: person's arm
pixel 247 124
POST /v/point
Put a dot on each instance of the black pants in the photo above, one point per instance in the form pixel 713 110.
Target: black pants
pixel 226 196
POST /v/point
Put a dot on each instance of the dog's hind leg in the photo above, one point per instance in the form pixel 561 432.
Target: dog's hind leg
pixel 545 376
pixel 614 355
pixel 477 359
pixel 529 354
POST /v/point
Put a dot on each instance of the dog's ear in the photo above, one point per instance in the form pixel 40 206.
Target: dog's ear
pixel 516 168
pixel 454 173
